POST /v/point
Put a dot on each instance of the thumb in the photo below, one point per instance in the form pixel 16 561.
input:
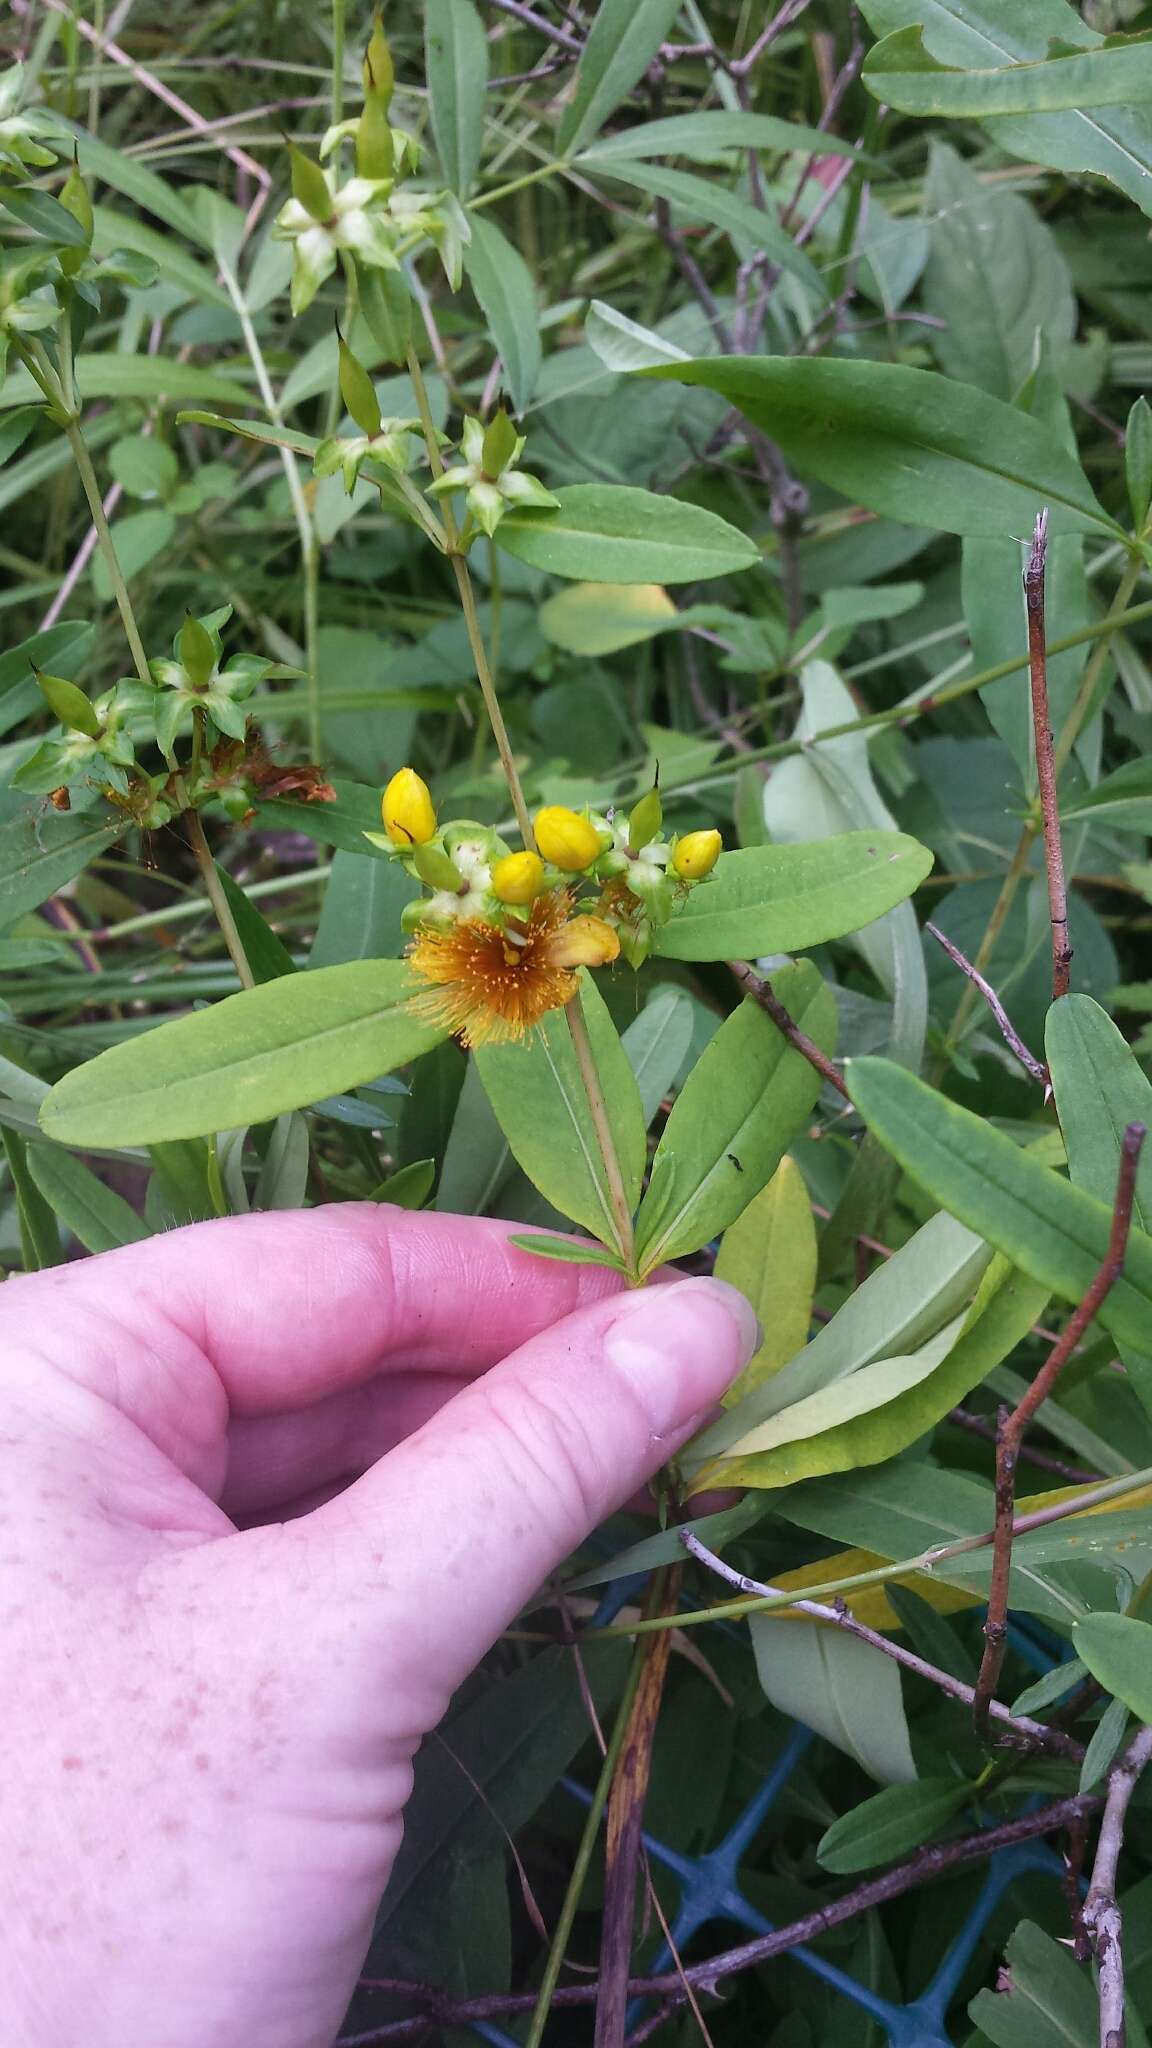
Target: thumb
pixel 459 1526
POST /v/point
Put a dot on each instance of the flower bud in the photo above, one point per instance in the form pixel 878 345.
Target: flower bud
pixel 74 198
pixel 434 867
pixel 197 652
pixel 357 390
pixel 566 839
pixel 584 942
pixel 310 186
pixel 500 439
pixel 646 819
pixel 378 67
pixel 70 705
pixel 696 855
pixel 407 809
pixel 375 149
pixel 518 878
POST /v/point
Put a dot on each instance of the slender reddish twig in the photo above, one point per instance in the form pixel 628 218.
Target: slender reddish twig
pixel 1101 1915
pixel 761 992
pixel 1008 1031
pixel 1013 1424
pixel 1045 766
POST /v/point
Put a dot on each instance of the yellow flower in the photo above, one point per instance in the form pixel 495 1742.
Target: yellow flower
pixel 407 808
pixel 566 839
pixel 489 986
pixel 518 878
pixel 696 855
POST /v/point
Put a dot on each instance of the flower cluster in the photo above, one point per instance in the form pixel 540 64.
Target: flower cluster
pixel 498 939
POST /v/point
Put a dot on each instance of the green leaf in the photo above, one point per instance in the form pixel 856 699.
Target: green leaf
pixel 60 648
pixel 360 914
pixel 101 163
pixel 913 445
pixel 94 1213
pixel 1100 1088
pixel 43 215
pixel 252 430
pixel 1117 1648
pixel 704 134
pixel 1047 1999
pixel 538 1095
pixel 116 232
pixel 1117 73
pixel 410 1187
pixel 601 618
pixel 891 1823
pixel 146 469
pixel 456 67
pixel 1104 1747
pixel 565 1251
pixel 39 1238
pixel 973 34
pixel 38 855
pixel 739 1109
pixel 777 899
pixel 657 1043
pixel 769 1253
pixel 267 955
pixel 750 229
pixel 1122 800
pixel 503 285
pixel 139 538
pixel 245 1060
pixel 625 37
pixel 612 533
pixel 1138 461
pixel 69 704
pixel 841 1688
pixel 143 377
pixel 1058 1234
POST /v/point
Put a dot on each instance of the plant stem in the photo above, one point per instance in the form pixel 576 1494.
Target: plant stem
pixel 468 607
pixel 1045 768
pixel 584 1856
pixel 107 547
pixel 763 993
pixel 1012 1425
pixel 337 61
pixel 219 901
pixel 1102 1916
pixel 1008 1031
pixel 305 527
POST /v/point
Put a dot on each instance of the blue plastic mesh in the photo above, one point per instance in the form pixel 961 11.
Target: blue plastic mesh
pixel 710 1883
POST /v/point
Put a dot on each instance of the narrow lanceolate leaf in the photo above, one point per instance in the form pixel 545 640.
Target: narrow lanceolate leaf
pixel 456 61
pixel 96 1215
pixel 842 1688
pixel 777 899
pixel 741 1106
pixel 1058 1234
pixel 1117 1648
pixel 43 215
pixel 913 445
pixel 749 228
pixel 900 71
pixel 769 1253
pixel 246 1060
pixel 719 128
pixel 38 855
pixel 612 533
pixel 891 1823
pixel 1100 1088
pixel 503 284
pixel 537 1092
pixel 127 376
pixel 624 38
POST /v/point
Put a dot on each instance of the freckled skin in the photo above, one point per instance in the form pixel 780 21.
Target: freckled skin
pixel 213 1687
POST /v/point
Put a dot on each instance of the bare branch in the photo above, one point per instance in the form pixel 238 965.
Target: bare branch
pixel 1008 1031
pixel 761 992
pixel 1033 1734
pixel 1101 1915
pixel 1012 1425
pixel 1045 768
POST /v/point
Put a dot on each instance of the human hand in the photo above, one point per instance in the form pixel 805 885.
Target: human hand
pixel 209 1729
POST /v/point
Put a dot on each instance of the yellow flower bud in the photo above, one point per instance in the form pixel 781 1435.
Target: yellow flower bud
pixel 696 855
pixel 584 942
pixel 407 808
pixel 566 839
pixel 518 878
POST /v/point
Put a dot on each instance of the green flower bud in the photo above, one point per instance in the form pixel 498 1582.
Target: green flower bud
pixel 646 819
pixel 75 200
pixel 500 442
pixel 69 704
pixel 375 150
pixel 434 867
pixel 358 391
pixel 310 186
pixel 379 74
pixel 197 652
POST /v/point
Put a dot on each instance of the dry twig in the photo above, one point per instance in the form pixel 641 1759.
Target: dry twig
pixel 1008 1031
pixel 761 992
pixel 1012 1425
pixel 1101 1914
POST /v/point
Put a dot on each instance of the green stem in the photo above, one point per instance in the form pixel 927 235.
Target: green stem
pixel 309 546
pixel 219 901
pixel 337 61
pixel 595 1815
pixel 924 1561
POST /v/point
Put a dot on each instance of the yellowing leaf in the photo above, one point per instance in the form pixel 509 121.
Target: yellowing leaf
pixel 600 618
pixel 769 1253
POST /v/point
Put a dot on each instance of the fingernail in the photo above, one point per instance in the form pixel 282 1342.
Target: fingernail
pixel 680 1346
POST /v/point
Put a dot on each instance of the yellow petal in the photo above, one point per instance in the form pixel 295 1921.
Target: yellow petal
pixel 584 942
